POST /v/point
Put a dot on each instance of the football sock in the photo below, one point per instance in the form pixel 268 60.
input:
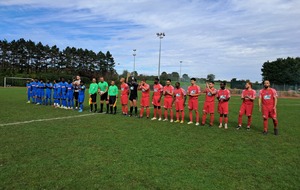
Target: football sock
pixel 131 109
pixel 191 116
pixel 212 117
pixel 197 117
pixel 135 110
pixel 91 107
pixel 265 124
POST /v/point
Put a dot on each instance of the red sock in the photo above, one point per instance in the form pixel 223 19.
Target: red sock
pixel 197 117
pixel 226 119
pixel 203 118
pixel 265 124
pixel 154 112
pixel 182 116
pixel 142 111
pixel 166 114
pixel 148 112
pixel 221 119
pixel 240 120
pixel 159 113
pixel 171 114
pixel 177 115
pixel 212 118
pixel 126 109
pixel 249 120
pixel 191 116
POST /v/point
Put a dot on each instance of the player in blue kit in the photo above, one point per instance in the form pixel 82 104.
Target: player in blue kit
pixel 70 95
pixel 33 89
pixel 42 87
pixel 38 92
pixel 81 96
pixel 55 93
pixel 29 91
pixel 63 85
pixel 49 88
pixel 58 94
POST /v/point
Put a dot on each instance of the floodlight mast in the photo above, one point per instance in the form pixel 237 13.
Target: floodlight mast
pixel 160 36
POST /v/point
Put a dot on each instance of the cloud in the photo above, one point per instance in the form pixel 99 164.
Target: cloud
pixel 230 39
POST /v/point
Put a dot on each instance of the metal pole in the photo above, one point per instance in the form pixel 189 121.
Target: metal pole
pixel 158 74
pixel 134 54
pixel 180 71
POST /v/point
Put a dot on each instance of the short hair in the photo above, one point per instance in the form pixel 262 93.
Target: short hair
pixel 156 79
pixel 223 82
pixel 178 83
pixel 211 82
pixel 250 83
pixel 143 79
pixel 194 79
pixel 169 80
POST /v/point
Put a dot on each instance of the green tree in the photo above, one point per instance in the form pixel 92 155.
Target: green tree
pixel 210 77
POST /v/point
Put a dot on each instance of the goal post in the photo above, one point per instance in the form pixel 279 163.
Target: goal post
pixel 14 81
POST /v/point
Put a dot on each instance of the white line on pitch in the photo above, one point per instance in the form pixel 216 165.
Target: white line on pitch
pixel 49 119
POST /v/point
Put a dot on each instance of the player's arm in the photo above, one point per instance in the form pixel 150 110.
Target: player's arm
pixel 275 103
pixel 259 103
pixel 184 100
pixel 174 98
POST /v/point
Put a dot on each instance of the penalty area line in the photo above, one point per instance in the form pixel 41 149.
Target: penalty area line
pixel 48 119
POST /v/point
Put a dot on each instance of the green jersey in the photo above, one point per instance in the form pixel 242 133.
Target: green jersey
pixel 93 88
pixel 113 90
pixel 102 86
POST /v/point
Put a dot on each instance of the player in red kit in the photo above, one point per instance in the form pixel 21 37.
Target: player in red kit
pixel 124 96
pixel 145 100
pixel 168 100
pixel 193 92
pixel 156 97
pixel 223 95
pixel 209 104
pixel 179 99
pixel 267 103
pixel 248 97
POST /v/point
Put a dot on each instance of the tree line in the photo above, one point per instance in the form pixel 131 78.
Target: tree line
pixel 27 58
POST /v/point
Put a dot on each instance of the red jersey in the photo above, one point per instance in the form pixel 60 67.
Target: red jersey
pixel 193 90
pixel 145 90
pixel 169 89
pixel 248 93
pixel 223 94
pixel 157 89
pixel 267 96
pixel 179 94
pixel 209 97
pixel 124 89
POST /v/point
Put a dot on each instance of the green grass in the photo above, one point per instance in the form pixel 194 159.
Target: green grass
pixel 115 152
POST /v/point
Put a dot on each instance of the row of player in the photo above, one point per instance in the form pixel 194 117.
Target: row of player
pixel 65 92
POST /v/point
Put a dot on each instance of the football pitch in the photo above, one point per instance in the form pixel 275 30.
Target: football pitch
pixel 47 148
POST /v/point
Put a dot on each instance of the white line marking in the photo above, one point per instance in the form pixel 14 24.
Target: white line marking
pixel 49 119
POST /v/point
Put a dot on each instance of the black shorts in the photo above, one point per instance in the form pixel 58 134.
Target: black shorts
pixel 103 97
pixel 94 97
pixel 112 100
pixel 133 97
pixel 76 95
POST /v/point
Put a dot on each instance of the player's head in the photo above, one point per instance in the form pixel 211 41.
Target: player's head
pixel 41 80
pixel 223 85
pixel 54 81
pixel 266 83
pixel 77 77
pixel 94 80
pixel 112 82
pixel 47 81
pixel 143 81
pixel 193 81
pixel 133 80
pixel 168 82
pixel 156 80
pixel 36 80
pixel 177 85
pixel 101 79
pixel 31 80
pixel 62 79
pixel 211 84
pixel 248 85
pixel 81 83
pixel 122 80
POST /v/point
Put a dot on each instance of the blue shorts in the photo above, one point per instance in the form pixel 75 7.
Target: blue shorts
pixel 70 96
pixel 80 99
pixel 48 95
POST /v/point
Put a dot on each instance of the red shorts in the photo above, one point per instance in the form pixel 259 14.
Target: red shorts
pixel 124 99
pixel 209 107
pixel 268 112
pixel 179 105
pixel 168 103
pixel 246 109
pixel 193 104
pixel 145 101
pixel 223 108
pixel 155 100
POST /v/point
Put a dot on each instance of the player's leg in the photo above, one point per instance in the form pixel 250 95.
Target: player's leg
pixel 265 112
pixel 195 106
pixel 142 107
pixel 131 106
pixel 190 106
pixel 154 112
pixel 204 113
pixel 135 106
pixel 240 117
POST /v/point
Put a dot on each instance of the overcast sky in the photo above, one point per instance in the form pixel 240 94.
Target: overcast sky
pixel 228 38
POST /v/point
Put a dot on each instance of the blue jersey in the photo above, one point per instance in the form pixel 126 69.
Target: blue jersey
pixel 63 86
pixel 70 89
pixel 49 87
pixel 28 86
pixel 42 86
pixel 55 90
pixel 81 90
pixel 58 87
pixel 34 87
